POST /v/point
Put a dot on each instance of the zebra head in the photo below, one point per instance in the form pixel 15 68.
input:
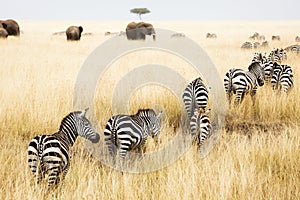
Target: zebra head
pixel 85 128
pixel 258 57
pixel 154 128
pixel 257 69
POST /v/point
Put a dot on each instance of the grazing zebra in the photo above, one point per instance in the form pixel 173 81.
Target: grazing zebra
pixel 200 126
pixel 256 45
pixel 178 35
pixel 129 132
pixel 211 35
pixel 282 78
pixel 293 48
pixel 254 36
pixel 261 37
pixel 241 82
pixel 49 154
pixel 194 96
pixel 246 45
pixel 265 44
pixel 276 37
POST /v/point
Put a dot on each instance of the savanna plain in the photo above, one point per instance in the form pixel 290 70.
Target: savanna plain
pixel 257 155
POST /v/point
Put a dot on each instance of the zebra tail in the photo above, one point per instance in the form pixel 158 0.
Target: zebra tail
pixel 229 77
pixel 114 137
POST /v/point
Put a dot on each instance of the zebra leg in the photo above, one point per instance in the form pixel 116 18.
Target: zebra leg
pixel 38 175
pixel 239 97
pixel 123 150
pixel 284 87
pixel 54 177
pixel 65 171
pixel 33 159
pixel 112 148
pixel 41 171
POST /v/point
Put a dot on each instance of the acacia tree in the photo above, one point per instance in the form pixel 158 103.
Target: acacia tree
pixel 140 11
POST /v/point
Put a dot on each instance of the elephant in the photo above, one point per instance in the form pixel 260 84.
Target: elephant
pixel 74 33
pixel 138 31
pixel 3 33
pixel 11 26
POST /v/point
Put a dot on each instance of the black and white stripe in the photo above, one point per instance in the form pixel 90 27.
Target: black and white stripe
pixel 268 66
pixel 282 78
pixel 128 132
pixel 49 154
pixel 241 82
pixel 277 55
pixel 293 48
pixel 258 57
pixel 200 126
pixel 195 96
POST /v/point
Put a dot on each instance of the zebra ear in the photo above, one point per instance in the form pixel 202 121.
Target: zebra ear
pixel 207 112
pixel 158 116
pixel 82 114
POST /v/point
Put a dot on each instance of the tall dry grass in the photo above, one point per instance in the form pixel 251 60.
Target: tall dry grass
pixel 257 156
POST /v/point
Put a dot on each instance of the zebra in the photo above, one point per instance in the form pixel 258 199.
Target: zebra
pixel 178 35
pixel 267 64
pixel 254 36
pixel 258 57
pixel 278 55
pixel 200 126
pixel 276 37
pixel 50 154
pixel 282 78
pixel 128 132
pixel 293 48
pixel 256 45
pixel 246 45
pixel 275 56
pixel 265 44
pixel 241 82
pixel 211 35
pixel 194 96
pixel 261 37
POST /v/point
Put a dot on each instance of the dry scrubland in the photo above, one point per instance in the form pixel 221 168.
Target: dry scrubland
pixel 257 156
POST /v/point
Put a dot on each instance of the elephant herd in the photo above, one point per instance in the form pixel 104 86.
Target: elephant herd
pixel 134 31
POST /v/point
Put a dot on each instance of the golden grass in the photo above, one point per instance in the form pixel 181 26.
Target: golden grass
pixel 37 76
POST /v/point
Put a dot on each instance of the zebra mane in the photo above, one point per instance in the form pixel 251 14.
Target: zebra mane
pixel 141 111
pixel 254 65
pixel 70 115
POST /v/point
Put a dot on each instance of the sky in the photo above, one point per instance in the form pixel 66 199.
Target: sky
pixel 160 9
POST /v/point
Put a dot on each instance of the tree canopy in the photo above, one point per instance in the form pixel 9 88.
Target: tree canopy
pixel 140 11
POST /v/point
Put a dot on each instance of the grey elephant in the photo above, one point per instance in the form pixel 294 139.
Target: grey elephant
pixel 11 26
pixel 138 31
pixel 74 33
